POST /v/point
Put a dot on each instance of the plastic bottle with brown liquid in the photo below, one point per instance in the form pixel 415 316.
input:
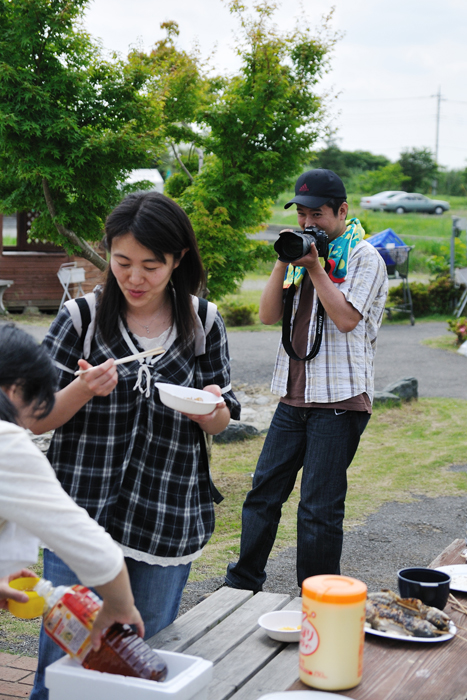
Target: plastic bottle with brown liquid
pixel 69 613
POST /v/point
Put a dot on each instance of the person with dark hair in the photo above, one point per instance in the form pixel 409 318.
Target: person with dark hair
pixel 33 505
pixel 324 375
pixel 137 466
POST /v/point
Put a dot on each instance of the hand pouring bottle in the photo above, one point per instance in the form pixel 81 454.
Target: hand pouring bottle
pixel 332 635
pixel 69 614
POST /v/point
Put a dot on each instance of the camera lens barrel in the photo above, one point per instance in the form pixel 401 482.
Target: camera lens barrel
pixel 293 245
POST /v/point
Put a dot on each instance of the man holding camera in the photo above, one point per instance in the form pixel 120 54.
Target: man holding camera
pixel 331 310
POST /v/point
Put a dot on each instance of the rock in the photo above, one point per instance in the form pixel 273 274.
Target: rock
pixel 236 432
pixel 262 401
pixel 31 311
pixel 385 397
pixel 406 388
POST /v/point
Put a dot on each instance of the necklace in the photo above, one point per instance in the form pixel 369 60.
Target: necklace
pixel 147 327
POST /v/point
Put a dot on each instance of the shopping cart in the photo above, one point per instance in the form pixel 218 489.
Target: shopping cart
pixel 397 265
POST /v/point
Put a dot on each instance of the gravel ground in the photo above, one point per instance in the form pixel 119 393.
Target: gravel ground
pixel 396 536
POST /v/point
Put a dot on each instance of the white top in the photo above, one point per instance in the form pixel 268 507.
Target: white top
pixel 31 497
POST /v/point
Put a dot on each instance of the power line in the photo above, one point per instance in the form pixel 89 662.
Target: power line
pixel 401 99
pixel 388 99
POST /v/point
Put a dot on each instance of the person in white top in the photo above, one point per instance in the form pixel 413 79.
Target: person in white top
pixel 33 505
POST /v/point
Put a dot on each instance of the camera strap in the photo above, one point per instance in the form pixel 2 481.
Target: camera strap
pixel 286 342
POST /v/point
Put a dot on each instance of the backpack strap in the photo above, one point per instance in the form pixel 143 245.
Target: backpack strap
pixel 83 316
pixel 203 308
pixel 206 312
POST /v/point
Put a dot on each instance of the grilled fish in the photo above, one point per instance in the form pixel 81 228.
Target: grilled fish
pixel 414 607
pixel 386 611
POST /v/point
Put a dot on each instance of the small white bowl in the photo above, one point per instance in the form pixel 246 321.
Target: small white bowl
pixel 275 625
pixel 188 400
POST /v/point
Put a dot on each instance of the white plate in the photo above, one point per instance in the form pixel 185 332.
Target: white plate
pixel 301 695
pixel 403 638
pixel 458 574
pixel 188 400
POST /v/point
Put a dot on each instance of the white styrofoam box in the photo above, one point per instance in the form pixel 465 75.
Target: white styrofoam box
pixel 187 679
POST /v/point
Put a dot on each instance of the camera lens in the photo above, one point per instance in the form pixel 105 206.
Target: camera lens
pixel 292 246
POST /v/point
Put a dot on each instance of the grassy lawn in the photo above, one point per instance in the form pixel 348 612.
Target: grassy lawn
pixel 405 452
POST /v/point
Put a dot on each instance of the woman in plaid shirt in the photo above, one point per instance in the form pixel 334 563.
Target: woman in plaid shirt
pixel 133 463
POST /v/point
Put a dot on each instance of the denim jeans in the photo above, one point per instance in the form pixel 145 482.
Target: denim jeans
pixel 323 441
pixel 157 591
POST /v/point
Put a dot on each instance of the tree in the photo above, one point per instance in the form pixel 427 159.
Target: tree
pixel 419 165
pixel 253 131
pixel 345 163
pixel 391 177
pixel 72 124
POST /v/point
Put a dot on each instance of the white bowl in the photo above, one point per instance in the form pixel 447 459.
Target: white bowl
pixel 188 400
pixel 275 624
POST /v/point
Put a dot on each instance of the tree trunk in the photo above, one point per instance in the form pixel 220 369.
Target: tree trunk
pixel 86 251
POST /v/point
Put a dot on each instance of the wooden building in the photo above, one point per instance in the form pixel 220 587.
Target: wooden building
pixel 33 267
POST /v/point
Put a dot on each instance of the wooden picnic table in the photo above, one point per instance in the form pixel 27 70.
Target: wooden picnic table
pixel 247 664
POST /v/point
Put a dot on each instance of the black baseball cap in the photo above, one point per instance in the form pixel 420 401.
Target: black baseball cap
pixel 316 187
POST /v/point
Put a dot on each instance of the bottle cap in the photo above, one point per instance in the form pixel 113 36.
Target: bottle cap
pixel 332 588
pixel 35 605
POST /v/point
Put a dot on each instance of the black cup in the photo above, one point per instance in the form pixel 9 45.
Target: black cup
pixel 428 585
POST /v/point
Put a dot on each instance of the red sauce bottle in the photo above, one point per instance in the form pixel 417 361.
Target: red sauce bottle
pixel 69 614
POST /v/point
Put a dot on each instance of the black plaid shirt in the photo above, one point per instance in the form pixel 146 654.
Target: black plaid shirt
pixel 133 463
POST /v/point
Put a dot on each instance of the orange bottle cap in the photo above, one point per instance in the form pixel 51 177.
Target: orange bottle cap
pixel 332 588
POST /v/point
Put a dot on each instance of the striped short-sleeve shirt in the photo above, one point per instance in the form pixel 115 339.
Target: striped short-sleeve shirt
pixel 344 366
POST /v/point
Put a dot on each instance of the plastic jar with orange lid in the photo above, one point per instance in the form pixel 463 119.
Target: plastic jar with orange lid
pixel 332 636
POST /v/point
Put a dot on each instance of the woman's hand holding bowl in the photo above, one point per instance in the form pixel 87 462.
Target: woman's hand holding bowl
pixel 218 419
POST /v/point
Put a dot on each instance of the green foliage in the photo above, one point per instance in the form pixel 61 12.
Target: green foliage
pixel 419 165
pixel 68 118
pixel 238 314
pixel 437 297
pixel 78 123
pixel 440 263
pixel 459 327
pixel 256 129
pixel 344 163
pixel 452 182
pixel 389 177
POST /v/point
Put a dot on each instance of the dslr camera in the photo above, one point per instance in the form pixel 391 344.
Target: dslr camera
pixel 293 245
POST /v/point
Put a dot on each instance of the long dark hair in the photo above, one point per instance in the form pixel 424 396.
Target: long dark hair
pixel 27 365
pixel 160 225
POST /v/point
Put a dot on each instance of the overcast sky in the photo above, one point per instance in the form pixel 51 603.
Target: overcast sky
pixel 387 68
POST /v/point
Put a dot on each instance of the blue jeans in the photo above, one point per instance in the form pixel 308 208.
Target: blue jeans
pixel 157 591
pixel 324 442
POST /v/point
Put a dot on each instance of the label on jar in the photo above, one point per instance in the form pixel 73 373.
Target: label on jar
pixel 309 638
pixel 70 620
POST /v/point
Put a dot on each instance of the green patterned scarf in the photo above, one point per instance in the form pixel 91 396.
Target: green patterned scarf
pixel 338 258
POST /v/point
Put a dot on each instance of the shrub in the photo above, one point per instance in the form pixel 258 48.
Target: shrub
pixel 459 327
pixel 437 297
pixel 236 314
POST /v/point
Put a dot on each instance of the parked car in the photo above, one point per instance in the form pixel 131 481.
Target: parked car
pixel 411 201
pixel 374 201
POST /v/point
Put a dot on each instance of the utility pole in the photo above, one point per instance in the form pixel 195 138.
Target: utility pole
pixel 434 184
pixel 437 122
